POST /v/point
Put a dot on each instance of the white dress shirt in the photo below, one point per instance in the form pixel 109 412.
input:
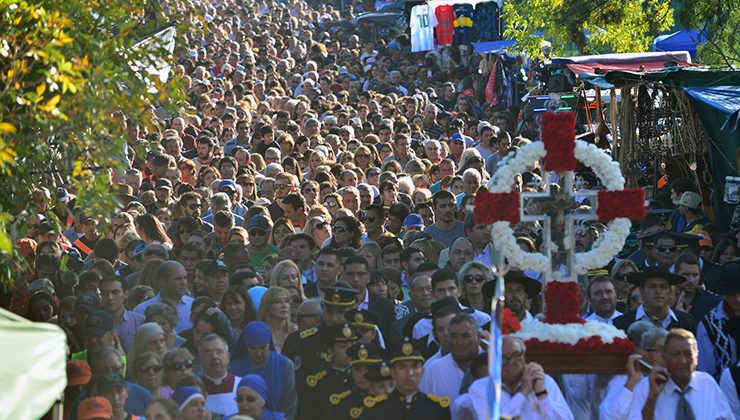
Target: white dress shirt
pixel 596 318
pixel 666 322
pixel 529 407
pixel 424 326
pixel 474 404
pixel 616 403
pixel 443 378
pixel 727 385
pixel 703 394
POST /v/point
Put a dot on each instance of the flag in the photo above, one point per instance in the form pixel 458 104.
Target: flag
pixel 494 351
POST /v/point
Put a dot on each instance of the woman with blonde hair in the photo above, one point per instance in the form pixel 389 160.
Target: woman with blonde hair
pixel 149 275
pixel 319 229
pixel 470 280
pixel 275 312
pixel 372 253
pixel 286 273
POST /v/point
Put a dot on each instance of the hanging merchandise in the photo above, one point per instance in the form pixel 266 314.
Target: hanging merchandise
pixel 496 86
pixel 463 24
pixel 423 21
pixel 445 26
pixel 487 21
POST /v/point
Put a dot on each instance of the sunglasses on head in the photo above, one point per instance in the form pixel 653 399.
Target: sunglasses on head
pixel 185 364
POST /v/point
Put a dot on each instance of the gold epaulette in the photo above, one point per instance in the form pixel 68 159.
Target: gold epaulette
pixel 443 402
pixel 370 401
pixel 309 332
pixel 336 398
pixel 355 412
pixel 312 380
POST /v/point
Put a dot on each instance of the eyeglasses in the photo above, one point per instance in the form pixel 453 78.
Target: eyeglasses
pixel 309 190
pixel 257 232
pixel 283 186
pixel 151 369
pixel 340 229
pixel 512 358
pixel 194 206
pixel 185 364
pixel 320 226
pixel 362 156
pixel 249 398
pixel 330 204
pixel 471 278
pixel 666 248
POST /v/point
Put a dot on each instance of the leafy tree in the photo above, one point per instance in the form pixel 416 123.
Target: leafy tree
pixel 68 80
pixel 718 21
pixel 612 25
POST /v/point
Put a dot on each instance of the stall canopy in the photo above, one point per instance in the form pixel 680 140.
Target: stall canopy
pixel 715 97
pixel 644 62
pixel 33 373
pixel 685 40
pixel 492 46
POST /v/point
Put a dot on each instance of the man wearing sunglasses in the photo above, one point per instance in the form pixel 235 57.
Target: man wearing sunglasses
pixel 259 245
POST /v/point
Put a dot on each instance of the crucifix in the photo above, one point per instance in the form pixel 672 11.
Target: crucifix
pixel 554 208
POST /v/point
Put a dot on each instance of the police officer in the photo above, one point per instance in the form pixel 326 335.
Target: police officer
pixel 314 392
pixel 306 348
pixel 406 401
pixel 363 357
pixel 366 324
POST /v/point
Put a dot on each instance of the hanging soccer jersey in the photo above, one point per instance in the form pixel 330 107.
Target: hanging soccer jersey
pixel 463 24
pixel 423 22
pixel 487 21
pixel 445 28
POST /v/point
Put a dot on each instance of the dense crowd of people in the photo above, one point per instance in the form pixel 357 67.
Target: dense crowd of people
pixel 297 243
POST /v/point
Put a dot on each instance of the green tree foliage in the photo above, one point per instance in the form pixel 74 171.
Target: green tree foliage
pixel 66 83
pixel 719 20
pixel 613 25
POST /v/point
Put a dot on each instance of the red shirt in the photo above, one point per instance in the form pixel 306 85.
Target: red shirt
pixel 445 28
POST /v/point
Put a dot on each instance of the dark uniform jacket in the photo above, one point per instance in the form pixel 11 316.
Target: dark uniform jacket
pixel 684 321
pixel 394 406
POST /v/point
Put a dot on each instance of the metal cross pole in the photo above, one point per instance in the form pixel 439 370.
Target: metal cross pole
pixel 500 268
pixel 553 207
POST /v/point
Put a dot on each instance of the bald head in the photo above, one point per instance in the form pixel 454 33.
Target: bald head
pixel 173 280
pixel 461 252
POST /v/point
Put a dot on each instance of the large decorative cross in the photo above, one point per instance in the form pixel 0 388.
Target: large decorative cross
pixel 560 262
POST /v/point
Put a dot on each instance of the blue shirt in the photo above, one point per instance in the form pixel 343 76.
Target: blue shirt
pixel 183 311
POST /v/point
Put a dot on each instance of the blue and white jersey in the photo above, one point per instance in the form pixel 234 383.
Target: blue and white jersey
pixel 423 20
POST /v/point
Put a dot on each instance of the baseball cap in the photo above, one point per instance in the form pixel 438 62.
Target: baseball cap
pixel 78 373
pixel 457 137
pixel 706 239
pixel 89 303
pixel 227 183
pixel 98 323
pixel 110 380
pixel 413 220
pixel 164 183
pixel 156 250
pixel 212 266
pixel 94 408
pixel 259 221
pixel 41 285
pixel 691 200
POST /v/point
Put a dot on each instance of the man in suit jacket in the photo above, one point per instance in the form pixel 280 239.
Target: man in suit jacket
pixel 655 287
pixel 357 275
